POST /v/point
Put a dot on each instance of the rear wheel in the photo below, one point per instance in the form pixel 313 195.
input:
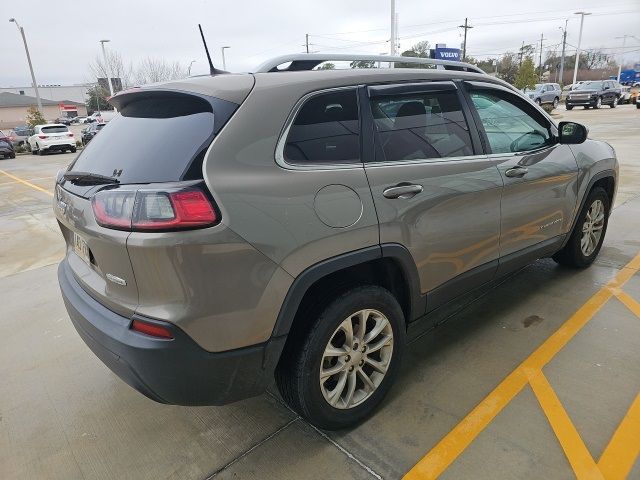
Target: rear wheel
pixel 73 149
pixel 556 101
pixel 588 234
pixel 598 103
pixel 569 107
pixel 339 372
pixel 538 101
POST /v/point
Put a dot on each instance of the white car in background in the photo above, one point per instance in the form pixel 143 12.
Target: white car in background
pixel 51 137
pixel 102 117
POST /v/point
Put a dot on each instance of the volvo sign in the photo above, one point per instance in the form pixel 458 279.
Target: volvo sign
pixel 447 54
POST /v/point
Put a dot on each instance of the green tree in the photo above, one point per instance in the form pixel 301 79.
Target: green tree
pixel 327 66
pixel 419 50
pixel 526 77
pixel 508 67
pixel 34 117
pixel 97 99
pixel 363 64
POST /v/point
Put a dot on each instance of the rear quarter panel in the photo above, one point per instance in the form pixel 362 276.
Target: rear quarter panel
pixel 272 206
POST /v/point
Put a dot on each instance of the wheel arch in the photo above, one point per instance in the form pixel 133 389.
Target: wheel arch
pixel 387 265
pixel 605 179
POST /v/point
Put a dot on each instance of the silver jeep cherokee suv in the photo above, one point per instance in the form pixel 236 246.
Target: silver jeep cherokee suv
pixel 305 224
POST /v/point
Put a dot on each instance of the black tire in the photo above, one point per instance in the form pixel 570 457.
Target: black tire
pixel 598 103
pixel 298 373
pixel 572 254
pixel 556 102
pixel 614 104
pixel 538 101
pixel 569 107
pixel 73 149
pixel 13 155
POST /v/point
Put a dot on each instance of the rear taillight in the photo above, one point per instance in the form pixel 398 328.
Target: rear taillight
pixel 69 134
pixel 42 137
pixel 154 210
pixel 151 329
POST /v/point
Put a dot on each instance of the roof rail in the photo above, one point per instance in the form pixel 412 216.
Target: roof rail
pixel 308 61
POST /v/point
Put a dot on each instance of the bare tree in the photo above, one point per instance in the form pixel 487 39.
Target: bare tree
pixel 117 68
pixel 151 70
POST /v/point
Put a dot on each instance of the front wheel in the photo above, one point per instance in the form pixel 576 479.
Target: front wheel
pixel 614 104
pixel 538 101
pixel 556 101
pixel 339 372
pixel 598 103
pixel 569 107
pixel 73 149
pixel 588 233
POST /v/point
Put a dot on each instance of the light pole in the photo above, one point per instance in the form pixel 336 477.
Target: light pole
pixel 106 66
pixel 575 67
pixel 624 43
pixel 189 69
pixel 564 45
pixel 224 63
pixel 33 75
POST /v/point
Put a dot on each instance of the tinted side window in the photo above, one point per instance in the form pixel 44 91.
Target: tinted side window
pixel 511 124
pixel 420 126
pixel 325 130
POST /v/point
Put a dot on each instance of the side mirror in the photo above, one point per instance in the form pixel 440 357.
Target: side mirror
pixel 572 133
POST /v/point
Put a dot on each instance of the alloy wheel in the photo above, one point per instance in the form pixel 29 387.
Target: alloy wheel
pixel 592 228
pixel 356 359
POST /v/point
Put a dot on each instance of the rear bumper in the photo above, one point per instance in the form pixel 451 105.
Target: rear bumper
pixel 58 146
pixel 176 371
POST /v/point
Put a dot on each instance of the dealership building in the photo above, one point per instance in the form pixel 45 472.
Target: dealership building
pixel 14 107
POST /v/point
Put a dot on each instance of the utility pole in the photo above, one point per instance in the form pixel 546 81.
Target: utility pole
pixel 624 42
pixel 106 66
pixel 33 75
pixel 392 47
pixel 575 68
pixel 564 46
pixel 541 39
pixel 466 27
pixel 306 41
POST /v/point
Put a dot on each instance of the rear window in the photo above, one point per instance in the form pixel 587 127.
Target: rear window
pixel 325 130
pixel 156 137
pixel 56 129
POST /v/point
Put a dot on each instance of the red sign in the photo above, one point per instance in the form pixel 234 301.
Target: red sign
pixel 67 108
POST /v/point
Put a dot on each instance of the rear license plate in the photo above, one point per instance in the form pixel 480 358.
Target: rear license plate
pixel 81 248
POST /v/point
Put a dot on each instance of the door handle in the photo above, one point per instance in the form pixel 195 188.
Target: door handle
pixel 517 171
pixel 402 190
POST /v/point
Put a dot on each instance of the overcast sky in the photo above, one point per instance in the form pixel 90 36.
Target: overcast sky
pixel 64 35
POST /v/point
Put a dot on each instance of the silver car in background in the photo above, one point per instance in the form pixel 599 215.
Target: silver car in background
pixel 545 93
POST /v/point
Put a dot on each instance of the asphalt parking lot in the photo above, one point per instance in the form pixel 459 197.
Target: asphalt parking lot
pixel 536 377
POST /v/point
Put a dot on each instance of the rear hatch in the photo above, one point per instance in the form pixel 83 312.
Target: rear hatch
pixel 152 149
pixel 56 134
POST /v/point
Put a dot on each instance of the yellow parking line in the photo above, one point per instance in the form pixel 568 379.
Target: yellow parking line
pixel 574 448
pixel 25 182
pixel 435 462
pixel 617 459
pixel 629 302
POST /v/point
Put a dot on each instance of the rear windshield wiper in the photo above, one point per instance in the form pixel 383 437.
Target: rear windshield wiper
pixel 87 178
